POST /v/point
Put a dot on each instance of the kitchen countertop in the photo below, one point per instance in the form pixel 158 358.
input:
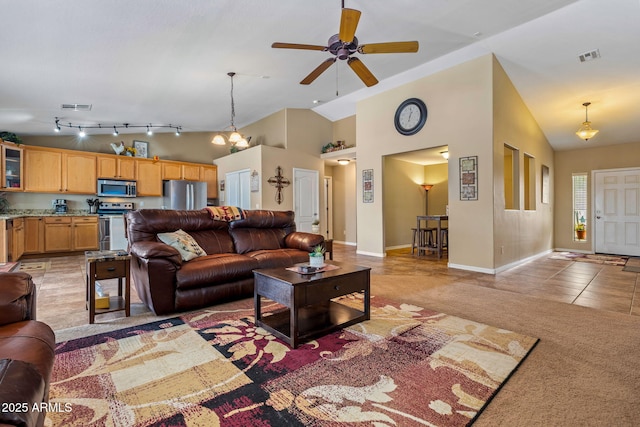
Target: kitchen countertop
pixel 21 213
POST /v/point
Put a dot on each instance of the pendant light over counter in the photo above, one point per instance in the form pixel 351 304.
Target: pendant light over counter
pixel 235 138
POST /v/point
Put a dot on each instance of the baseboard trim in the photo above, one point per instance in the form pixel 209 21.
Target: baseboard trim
pixel 391 248
pixel 574 250
pixel 376 254
pixel 345 243
pixel 502 267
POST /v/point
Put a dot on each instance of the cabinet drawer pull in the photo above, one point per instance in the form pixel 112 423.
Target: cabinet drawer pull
pixel 336 287
pixel 111 269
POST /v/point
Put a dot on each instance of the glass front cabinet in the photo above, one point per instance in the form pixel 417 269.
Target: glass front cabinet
pixel 12 167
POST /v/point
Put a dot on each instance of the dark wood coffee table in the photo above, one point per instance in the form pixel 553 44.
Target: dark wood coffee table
pixel 310 310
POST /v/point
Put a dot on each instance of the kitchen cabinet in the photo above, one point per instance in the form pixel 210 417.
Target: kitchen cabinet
pixel 180 170
pixel 79 172
pixel 59 171
pixel 33 235
pixel 67 233
pixel 148 177
pixel 12 167
pixel 209 174
pixel 43 170
pixel 17 239
pixel 120 167
pixel 57 234
pixel 84 234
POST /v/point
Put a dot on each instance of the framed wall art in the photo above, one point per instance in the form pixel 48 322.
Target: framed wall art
pixel 142 148
pixel 469 178
pixel 367 186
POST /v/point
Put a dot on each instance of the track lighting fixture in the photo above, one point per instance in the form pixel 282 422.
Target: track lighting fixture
pixel 82 128
pixel 235 138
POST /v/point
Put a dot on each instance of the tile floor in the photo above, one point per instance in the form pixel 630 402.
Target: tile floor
pixel 61 290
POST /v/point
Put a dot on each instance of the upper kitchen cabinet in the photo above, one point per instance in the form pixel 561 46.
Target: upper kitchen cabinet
pixel 43 170
pixel 50 170
pixel 79 172
pixel 148 177
pixel 180 170
pixel 119 167
pixel 12 167
pixel 209 174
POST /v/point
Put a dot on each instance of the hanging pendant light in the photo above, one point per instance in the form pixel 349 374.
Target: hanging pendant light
pixel 585 132
pixel 235 138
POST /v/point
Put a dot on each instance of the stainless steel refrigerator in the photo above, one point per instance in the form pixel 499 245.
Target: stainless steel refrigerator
pixel 181 194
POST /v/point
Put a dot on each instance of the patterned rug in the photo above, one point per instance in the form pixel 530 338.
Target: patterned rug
pixel 406 366
pixel 30 266
pixel 592 258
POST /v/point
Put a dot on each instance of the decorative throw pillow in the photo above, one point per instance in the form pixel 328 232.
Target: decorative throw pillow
pixel 184 243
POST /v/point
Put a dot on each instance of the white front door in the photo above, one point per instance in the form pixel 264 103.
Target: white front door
pixel 617 211
pixel 305 193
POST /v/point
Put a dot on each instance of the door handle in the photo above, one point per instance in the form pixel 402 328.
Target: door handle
pixel 597 217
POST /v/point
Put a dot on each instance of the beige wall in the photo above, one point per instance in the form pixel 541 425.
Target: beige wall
pixel 270 130
pixel 460 116
pixel 250 159
pixel 438 176
pixel 403 200
pixel 307 131
pixel 584 160
pixel 518 234
pixel 345 130
pixel 188 147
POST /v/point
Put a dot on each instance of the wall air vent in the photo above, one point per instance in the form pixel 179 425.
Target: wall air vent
pixel 589 56
pixel 77 107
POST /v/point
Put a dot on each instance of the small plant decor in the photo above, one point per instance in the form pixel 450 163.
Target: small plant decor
pixel 316 256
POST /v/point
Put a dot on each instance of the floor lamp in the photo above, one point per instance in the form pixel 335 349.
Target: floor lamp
pixel 426 187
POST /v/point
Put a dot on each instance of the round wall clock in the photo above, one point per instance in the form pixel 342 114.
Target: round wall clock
pixel 411 116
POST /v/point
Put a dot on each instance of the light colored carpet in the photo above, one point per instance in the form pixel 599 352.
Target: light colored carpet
pixel 583 372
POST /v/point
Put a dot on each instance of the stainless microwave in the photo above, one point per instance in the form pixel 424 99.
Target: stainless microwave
pixel 116 188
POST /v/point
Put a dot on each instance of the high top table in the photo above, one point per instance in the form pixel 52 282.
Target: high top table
pixel 437 246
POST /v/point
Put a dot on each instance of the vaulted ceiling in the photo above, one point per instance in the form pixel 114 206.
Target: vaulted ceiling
pixel 166 61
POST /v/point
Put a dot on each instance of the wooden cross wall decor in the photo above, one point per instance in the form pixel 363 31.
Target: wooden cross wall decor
pixel 279 182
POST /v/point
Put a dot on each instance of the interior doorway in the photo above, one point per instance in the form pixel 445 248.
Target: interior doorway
pixel 306 186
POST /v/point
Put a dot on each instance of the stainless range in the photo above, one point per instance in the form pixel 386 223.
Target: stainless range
pixel 112 235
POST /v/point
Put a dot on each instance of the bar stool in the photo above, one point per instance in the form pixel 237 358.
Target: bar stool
pixel 422 238
pixel 444 232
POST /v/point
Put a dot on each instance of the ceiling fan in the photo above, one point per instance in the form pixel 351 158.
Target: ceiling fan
pixel 344 44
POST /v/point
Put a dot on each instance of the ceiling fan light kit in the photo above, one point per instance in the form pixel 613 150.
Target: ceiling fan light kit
pixel 345 44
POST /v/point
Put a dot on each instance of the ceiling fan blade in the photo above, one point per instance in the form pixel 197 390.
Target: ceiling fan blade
pixel 319 70
pixel 391 47
pixel 348 24
pixel 363 72
pixel 279 45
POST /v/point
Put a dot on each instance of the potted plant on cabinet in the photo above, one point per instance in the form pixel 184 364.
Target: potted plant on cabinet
pixel 316 257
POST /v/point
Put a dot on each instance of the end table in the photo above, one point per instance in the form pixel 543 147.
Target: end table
pixel 103 265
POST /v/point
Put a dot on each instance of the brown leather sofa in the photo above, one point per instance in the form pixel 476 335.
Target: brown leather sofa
pixel 27 353
pixel 166 283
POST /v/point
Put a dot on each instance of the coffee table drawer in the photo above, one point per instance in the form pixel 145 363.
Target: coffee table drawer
pixel 333 288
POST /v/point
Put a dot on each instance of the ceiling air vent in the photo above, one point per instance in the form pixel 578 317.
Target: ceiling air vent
pixel 77 107
pixel 589 56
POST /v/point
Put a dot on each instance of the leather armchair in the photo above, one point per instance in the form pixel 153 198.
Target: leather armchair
pixel 27 352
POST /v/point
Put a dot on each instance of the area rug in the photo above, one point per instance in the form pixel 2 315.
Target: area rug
pixel 6 267
pixel 592 258
pixel 632 265
pixel 30 266
pixel 406 366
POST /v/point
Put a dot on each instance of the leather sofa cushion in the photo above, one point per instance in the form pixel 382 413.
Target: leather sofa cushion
pixel 214 269
pixel 214 241
pixel 255 239
pixel 279 257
